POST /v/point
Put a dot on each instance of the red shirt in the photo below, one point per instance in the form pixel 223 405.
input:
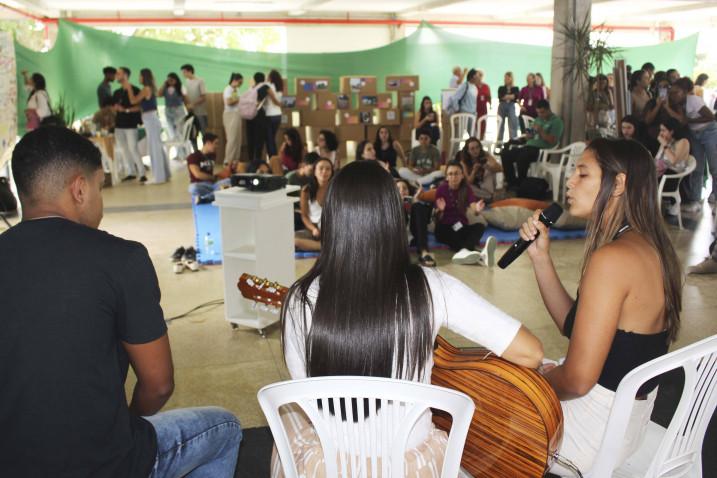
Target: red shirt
pixel 482 100
pixel 205 163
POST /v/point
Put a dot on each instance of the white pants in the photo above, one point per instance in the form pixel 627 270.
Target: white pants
pixel 429 178
pixel 127 143
pixel 157 156
pixel 232 128
pixel 585 419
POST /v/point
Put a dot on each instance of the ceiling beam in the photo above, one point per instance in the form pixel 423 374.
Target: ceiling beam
pixel 430 5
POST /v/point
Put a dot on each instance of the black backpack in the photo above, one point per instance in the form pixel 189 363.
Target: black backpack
pixel 533 188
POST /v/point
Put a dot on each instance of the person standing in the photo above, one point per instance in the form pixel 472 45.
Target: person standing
pixel 231 118
pixel 38 101
pixel 639 93
pixel 104 90
pixel 458 76
pixel 147 99
pixel 126 123
pixel 482 100
pixel 174 111
pixel 272 109
pixel 529 97
pixel 507 97
pixel 256 128
pixel 196 98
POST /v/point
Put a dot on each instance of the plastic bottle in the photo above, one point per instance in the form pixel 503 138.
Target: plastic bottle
pixel 208 245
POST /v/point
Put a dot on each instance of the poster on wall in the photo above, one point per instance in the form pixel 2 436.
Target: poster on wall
pixel 8 97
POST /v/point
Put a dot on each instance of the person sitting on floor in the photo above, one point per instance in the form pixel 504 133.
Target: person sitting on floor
pixel 302 175
pixel 327 145
pixel 367 151
pixel 423 162
pixel 453 200
pixel 202 180
pixel 312 203
pixel 545 132
pixel 479 168
pixel 290 154
pixel 388 149
pixel 79 307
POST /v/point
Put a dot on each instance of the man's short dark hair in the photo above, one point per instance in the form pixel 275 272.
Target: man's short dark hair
pixel 542 104
pixel 209 137
pixel 188 67
pixel 109 70
pixel 471 73
pixel 126 70
pixel 685 83
pixel 259 77
pixel 311 158
pixel 648 66
pixel 44 159
pixel 423 132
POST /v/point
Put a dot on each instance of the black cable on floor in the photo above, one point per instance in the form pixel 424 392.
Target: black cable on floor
pixel 211 303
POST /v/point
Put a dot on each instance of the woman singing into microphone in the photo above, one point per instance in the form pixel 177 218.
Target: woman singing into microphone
pixel 629 297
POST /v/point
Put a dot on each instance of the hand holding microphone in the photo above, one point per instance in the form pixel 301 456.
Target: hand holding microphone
pixel 533 235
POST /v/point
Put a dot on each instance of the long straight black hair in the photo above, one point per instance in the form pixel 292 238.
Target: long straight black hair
pixel 373 315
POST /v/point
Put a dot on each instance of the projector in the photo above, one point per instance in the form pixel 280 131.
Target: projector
pixel 259 182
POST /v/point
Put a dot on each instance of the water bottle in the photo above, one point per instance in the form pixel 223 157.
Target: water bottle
pixel 208 245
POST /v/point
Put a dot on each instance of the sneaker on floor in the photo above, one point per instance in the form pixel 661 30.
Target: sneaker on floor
pixel 190 259
pixel 466 257
pixel 178 267
pixel 708 266
pixel 692 207
pixel 427 260
pixel 488 252
pixel 143 179
pixel 129 178
pixel 673 209
pixel 177 255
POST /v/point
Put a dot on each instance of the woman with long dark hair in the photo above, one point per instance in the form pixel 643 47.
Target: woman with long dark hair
pixel 174 110
pixel 291 153
pixel 365 309
pixel 38 101
pixel 629 296
pixel 388 149
pixel 427 118
pixel 147 100
pixel 479 168
pixel 272 107
pixel 327 146
pixel 311 202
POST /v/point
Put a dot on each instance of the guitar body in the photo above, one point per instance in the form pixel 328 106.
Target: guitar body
pixel 518 422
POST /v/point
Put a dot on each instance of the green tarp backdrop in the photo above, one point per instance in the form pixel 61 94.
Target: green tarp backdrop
pixel 73 67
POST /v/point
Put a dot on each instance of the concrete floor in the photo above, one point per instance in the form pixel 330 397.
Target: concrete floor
pixel 216 365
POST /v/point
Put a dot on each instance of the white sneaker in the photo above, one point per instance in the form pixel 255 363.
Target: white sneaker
pixel 178 267
pixel 189 260
pixel 673 209
pixel 488 252
pixel 692 207
pixel 466 257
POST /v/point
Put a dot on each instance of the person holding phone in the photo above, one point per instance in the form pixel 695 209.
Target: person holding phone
pixel 427 119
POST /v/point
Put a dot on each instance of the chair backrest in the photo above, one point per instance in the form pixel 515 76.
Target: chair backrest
pixel 681 446
pixel 379 416
pixel 187 128
pixel 483 120
pixel 462 123
pixel 691 165
pixel 528 120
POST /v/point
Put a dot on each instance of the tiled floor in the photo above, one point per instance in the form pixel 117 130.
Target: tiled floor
pixel 216 365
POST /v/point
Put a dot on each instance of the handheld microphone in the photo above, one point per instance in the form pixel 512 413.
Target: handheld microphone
pixel 547 217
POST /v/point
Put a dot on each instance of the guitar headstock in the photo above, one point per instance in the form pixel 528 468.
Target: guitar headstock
pixel 262 291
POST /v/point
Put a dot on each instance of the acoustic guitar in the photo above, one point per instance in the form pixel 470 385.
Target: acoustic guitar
pixel 518 423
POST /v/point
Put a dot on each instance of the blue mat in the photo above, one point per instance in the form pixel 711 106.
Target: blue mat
pixel 206 220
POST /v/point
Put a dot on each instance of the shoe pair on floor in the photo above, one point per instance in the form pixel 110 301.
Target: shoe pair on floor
pixel 486 257
pixel 185 259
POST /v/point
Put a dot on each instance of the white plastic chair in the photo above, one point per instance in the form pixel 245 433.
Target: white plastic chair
pixel 691 165
pixel 377 434
pixel 183 141
pixel 488 145
pixel 569 170
pixel 527 120
pixel 543 155
pixel 676 451
pixel 556 170
pixel 462 125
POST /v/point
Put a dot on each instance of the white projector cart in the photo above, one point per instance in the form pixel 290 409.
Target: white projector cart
pixel 257 238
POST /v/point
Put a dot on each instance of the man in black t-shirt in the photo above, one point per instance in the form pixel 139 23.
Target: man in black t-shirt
pixel 79 306
pixel 256 128
pixel 129 117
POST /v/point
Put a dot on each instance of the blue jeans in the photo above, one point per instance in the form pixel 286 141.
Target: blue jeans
pixel 703 146
pixel 506 110
pixel 196 443
pixel 205 189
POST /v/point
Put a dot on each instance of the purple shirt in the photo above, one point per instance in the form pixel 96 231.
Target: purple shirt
pixel 452 214
pixel 530 97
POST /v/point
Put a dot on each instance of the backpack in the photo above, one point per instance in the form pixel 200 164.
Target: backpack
pixel 249 104
pixel 454 106
pixel 533 188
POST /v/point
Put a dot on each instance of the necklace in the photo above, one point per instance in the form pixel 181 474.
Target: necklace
pixel 621 231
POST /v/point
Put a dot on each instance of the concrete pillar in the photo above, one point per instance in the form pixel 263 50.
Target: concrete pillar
pixel 566 98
